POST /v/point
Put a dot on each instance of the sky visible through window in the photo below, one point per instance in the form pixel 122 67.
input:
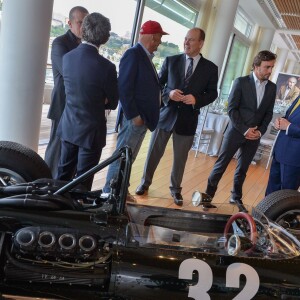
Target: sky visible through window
pixel 121 14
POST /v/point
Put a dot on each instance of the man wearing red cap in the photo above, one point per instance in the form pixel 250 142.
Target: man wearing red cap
pixel 140 93
pixel 190 82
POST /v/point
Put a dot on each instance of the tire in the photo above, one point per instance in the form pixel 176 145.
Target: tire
pixel 19 164
pixel 283 207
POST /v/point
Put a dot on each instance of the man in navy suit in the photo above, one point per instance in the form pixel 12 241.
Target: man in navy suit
pixel 250 109
pixel 91 87
pixel 285 168
pixel 60 46
pixel 190 82
pixel 140 92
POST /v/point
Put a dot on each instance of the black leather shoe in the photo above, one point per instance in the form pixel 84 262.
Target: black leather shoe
pixel 232 201
pixel 178 200
pixel 141 189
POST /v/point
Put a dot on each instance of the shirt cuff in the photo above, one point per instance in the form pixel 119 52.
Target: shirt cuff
pixel 287 129
pixel 246 132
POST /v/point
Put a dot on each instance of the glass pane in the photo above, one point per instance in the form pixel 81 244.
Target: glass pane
pixel 234 67
pixel 176 18
pixel 121 19
pixel 242 24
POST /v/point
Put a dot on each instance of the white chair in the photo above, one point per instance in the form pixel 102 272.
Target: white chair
pixel 203 134
pixel 267 143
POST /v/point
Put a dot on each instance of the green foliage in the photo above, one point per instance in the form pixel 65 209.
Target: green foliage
pixel 167 49
pixel 115 42
pixel 58 30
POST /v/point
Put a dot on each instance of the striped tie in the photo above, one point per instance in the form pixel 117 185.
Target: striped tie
pixel 189 73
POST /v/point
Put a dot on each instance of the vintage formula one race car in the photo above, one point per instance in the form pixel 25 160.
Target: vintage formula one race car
pixel 60 241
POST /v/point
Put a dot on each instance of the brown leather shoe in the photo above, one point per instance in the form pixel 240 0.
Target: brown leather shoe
pixel 130 198
pixel 141 189
pixel 178 200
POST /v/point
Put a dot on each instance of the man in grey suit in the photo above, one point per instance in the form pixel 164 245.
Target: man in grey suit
pixel 60 46
pixel 190 82
pixel 250 109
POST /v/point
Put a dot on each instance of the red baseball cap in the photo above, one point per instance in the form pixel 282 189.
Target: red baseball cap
pixel 151 27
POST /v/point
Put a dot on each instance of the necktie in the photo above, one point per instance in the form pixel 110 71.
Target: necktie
pixel 296 105
pixel 189 73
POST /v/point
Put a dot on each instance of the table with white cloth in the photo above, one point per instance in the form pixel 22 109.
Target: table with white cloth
pixel 215 121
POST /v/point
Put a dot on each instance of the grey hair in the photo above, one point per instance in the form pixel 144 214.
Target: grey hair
pixel 95 29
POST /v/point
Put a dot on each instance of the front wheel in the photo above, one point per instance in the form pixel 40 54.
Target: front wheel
pixel 283 207
pixel 19 164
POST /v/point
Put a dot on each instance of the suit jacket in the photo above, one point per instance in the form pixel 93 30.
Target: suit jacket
pixel 292 94
pixel 60 46
pixel 89 80
pixel 242 107
pixel 287 146
pixel 181 117
pixel 139 88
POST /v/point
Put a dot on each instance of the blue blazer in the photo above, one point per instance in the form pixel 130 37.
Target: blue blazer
pixel 243 110
pixel 60 46
pixel 287 146
pixel 89 80
pixel 181 117
pixel 139 88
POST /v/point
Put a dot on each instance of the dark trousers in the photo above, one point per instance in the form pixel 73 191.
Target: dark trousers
pixel 77 158
pixel 247 150
pixel 52 154
pixel 283 177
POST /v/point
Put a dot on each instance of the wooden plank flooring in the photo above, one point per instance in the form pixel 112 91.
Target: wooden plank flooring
pixel 195 176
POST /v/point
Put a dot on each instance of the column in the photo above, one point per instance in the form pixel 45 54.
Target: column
pixel 282 55
pixel 266 38
pixel 220 35
pixel 296 69
pixel 24 44
pixel 290 65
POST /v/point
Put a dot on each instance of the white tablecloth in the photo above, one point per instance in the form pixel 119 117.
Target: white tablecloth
pixel 218 123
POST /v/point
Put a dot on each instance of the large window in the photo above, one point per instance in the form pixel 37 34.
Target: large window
pixel 121 14
pixel 175 18
pixel 238 50
pixel 234 67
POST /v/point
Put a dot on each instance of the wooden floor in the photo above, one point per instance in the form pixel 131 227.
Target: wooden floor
pixel 195 176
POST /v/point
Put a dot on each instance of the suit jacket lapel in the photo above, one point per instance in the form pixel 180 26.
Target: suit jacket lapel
pixel 253 90
pixel 287 115
pixel 147 61
pixel 181 67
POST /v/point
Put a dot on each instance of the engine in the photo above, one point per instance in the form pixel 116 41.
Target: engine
pixel 56 256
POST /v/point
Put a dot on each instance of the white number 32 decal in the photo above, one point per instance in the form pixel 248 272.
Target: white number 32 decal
pixel 205 275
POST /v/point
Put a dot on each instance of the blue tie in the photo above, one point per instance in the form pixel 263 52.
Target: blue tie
pixel 189 73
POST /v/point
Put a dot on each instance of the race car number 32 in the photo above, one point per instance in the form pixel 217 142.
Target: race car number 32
pixel 205 275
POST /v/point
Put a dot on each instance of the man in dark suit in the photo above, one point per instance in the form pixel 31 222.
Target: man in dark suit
pixel 250 109
pixel 91 87
pixel 60 46
pixel 139 91
pixel 285 168
pixel 190 82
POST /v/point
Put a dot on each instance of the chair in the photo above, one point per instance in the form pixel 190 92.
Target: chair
pixel 267 143
pixel 203 134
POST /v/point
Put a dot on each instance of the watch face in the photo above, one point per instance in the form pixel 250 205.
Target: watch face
pixel 196 198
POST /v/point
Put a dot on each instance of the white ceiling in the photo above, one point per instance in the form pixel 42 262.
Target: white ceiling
pixel 253 9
